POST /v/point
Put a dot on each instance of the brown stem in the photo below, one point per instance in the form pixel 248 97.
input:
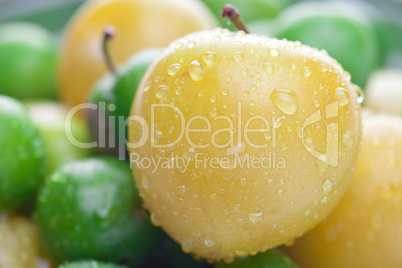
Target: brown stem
pixel 231 12
pixel 108 32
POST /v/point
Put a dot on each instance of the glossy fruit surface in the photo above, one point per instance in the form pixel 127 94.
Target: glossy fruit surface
pixel 89 264
pixel 19 243
pixel 90 209
pixel 270 259
pixel 139 23
pixel 384 91
pixel 50 119
pixel 365 229
pixel 340 29
pixel 217 207
pixel 28 57
pixel 22 155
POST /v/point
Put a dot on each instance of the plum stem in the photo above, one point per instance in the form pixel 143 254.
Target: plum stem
pixel 108 33
pixel 232 13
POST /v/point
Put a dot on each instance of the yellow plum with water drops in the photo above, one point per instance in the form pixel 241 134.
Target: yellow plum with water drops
pixel 365 229
pixel 240 143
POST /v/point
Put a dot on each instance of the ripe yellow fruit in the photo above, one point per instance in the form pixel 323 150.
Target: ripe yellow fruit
pixel 139 23
pixel 242 190
pixel 19 243
pixel 365 230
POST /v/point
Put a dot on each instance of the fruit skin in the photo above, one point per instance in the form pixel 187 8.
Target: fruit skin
pixel 49 118
pixel 270 259
pixel 89 264
pixel 364 230
pixel 208 210
pixel 74 227
pixel 19 243
pixel 384 91
pixel 22 155
pixel 28 56
pixel 139 23
pixel 340 29
pixel 118 91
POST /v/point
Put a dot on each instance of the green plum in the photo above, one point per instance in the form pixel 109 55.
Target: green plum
pixel 114 95
pixel 28 61
pixel 339 28
pixel 269 259
pixel 22 155
pixel 90 209
pixel 50 117
pixel 89 264
pixel 390 35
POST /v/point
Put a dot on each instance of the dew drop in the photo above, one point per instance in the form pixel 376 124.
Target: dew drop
pixel 173 69
pixel 285 100
pixel 299 132
pixel 209 243
pixel 225 92
pixel 147 87
pixel 155 220
pixel 158 136
pixel 274 52
pixel 213 98
pixel 241 33
pixel 213 112
pixel 238 56
pixel 191 44
pixel 244 72
pixel 197 73
pixel 342 96
pixel 327 186
pixel 255 217
pixel 360 94
pixel 161 92
pixel 252 103
pixel 187 247
pixel 306 72
pixel 322 163
pixel 179 45
pixel 209 58
pixel 348 139
pixel 241 253
pixel 246 93
pixel 145 182
pixel 179 90
pixel 269 69
pixel 307 212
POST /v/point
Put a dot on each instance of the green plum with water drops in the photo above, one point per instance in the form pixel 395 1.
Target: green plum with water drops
pixel 90 209
pixel 22 155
